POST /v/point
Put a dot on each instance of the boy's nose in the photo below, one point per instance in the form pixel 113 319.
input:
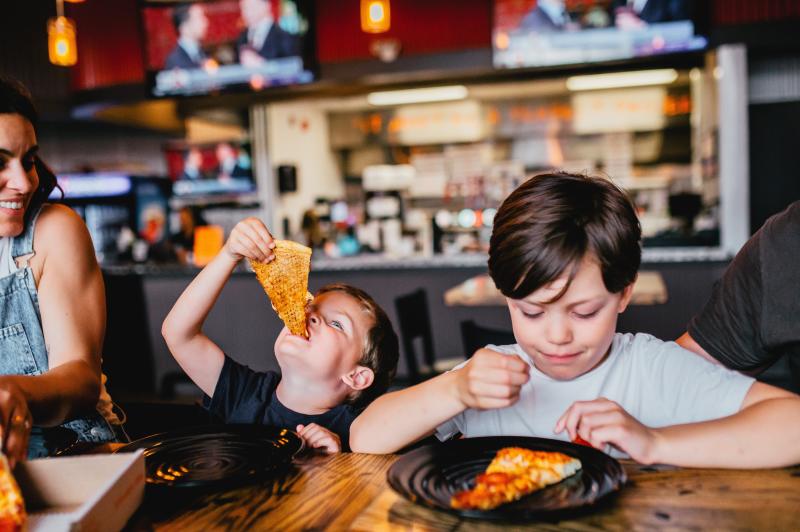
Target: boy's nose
pixel 559 332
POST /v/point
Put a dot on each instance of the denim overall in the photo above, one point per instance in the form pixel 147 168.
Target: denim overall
pixel 22 347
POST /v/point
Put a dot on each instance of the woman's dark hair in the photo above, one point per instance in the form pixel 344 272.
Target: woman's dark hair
pixel 551 222
pixel 15 99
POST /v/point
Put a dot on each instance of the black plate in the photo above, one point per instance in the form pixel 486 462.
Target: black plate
pixel 212 456
pixel 431 475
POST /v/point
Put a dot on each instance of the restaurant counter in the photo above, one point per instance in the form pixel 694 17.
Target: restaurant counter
pixel 139 297
pixel 385 262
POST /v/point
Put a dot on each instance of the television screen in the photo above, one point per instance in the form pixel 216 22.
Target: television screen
pixel 538 33
pixel 209 169
pixel 206 46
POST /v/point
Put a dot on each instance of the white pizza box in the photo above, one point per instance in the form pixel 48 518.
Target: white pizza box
pixel 95 492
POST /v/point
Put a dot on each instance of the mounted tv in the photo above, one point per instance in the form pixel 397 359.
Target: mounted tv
pixel 202 170
pixel 545 33
pixel 200 47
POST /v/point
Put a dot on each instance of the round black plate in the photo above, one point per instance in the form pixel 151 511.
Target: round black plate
pixel 210 456
pixel 431 475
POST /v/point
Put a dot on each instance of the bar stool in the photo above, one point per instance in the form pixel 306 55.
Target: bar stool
pixel 414 321
pixel 475 336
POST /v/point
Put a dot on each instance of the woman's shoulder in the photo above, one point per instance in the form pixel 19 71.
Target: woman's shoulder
pixel 59 230
pixel 58 221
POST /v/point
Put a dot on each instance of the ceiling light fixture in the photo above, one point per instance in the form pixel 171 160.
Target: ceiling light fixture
pixel 62 47
pixel 375 16
pixel 430 94
pixel 618 80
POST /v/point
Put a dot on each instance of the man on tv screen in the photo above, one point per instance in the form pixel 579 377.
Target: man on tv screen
pixel 191 25
pixel 263 38
pixel 548 15
pixel 636 14
pixel 229 162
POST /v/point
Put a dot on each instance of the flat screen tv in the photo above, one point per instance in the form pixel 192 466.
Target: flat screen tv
pixel 222 168
pixel 544 33
pixel 201 47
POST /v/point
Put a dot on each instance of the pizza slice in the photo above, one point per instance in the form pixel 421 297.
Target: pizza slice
pixel 12 506
pixel 513 473
pixel 285 280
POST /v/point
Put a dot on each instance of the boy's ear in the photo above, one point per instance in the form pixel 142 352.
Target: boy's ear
pixel 360 378
pixel 627 293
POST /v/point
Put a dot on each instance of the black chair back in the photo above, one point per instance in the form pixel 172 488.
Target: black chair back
pixel 475 336
pixel 414 321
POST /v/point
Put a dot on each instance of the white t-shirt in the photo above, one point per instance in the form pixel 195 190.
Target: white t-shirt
pixel 659 383
pixel 7 266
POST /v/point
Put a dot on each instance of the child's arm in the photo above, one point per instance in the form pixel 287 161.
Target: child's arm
pixel 318 437
pixel 764 433
pixel 200 357
pixel 394 420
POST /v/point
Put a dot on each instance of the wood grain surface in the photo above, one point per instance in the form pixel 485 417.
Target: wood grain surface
pixel 350 492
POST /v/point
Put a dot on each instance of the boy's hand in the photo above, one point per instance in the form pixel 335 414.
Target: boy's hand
pixel 318 437
pixel 491 380
pixel 602 422
pixel 250 239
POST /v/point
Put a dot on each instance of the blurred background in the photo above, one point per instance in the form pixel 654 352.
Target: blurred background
pixel 384 134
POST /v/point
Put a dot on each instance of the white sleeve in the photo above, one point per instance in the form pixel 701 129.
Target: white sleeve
pixel 679 386
pixel 450 428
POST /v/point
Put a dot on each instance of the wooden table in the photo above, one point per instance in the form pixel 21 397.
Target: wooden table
pixel 350 492
pixel 480 291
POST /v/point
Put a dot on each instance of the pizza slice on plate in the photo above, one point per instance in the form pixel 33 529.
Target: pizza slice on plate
pixel 514 473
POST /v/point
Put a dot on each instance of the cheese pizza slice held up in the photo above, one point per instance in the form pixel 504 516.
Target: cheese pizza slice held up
pixel 513 473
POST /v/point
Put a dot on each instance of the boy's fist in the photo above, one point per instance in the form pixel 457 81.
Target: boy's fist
pixel 491 380
pixel 250 239
pixel 318 437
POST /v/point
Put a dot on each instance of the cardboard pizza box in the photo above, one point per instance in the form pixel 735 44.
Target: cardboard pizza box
pixel 95 492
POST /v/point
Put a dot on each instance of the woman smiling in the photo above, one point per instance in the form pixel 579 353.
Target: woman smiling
pixel 52 300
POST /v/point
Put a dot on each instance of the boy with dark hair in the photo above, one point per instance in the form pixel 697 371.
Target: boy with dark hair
pixel 564 251
pixel 348 359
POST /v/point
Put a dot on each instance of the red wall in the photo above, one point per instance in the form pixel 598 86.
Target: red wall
pixel 109 44
pixel 726 12
pixel 422 26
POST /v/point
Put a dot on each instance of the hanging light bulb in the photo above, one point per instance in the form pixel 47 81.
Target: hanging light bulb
pixel 375 16
pixel 61 44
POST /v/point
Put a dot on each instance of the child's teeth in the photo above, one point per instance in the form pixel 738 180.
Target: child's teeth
pixel 11 204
